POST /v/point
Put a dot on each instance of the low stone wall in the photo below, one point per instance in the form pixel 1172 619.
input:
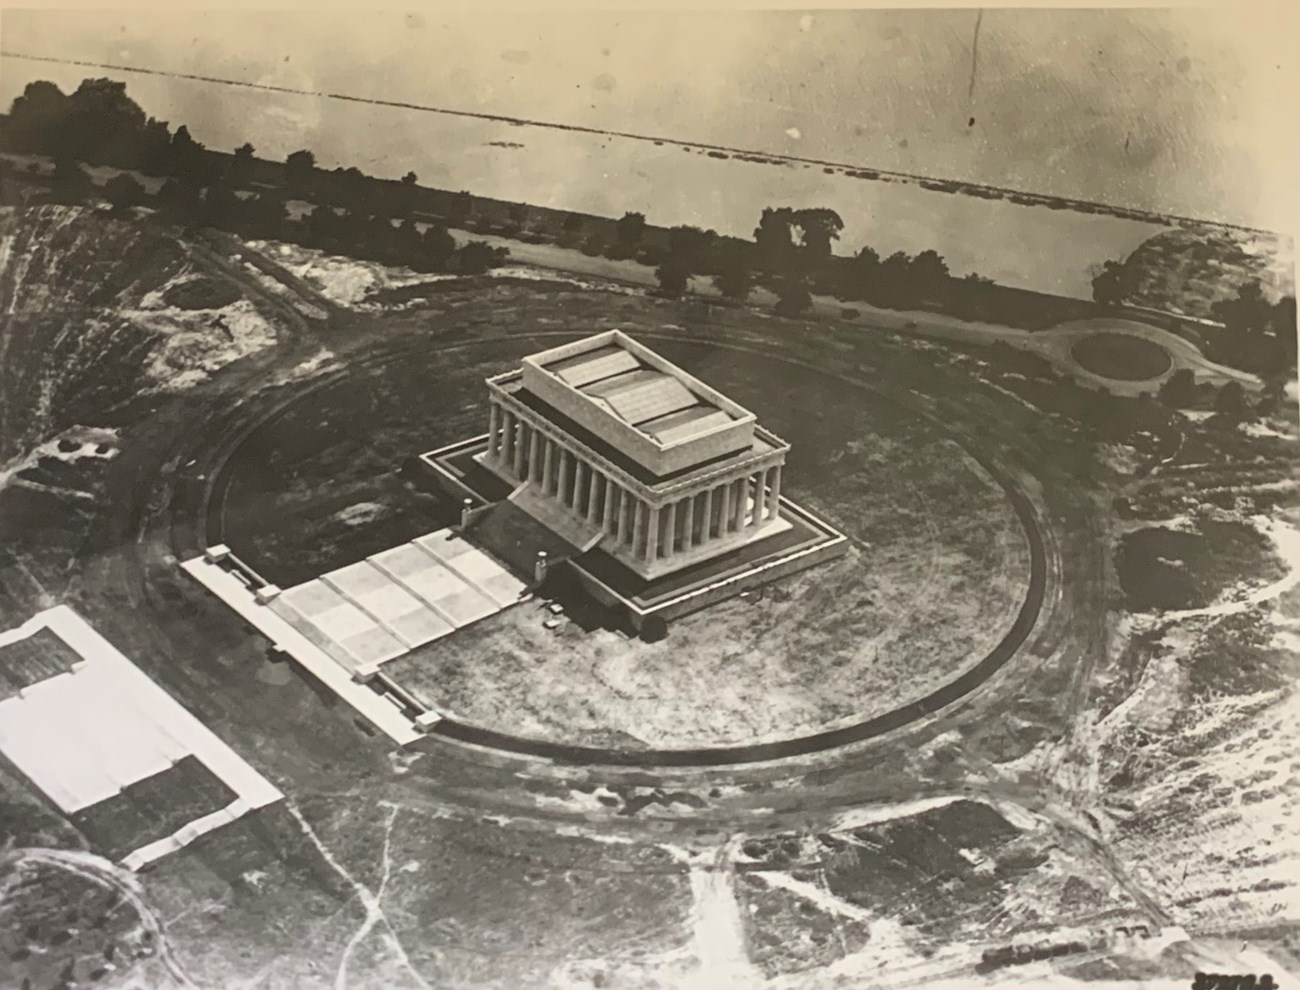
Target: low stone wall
pixel 717 591
pixel 445 480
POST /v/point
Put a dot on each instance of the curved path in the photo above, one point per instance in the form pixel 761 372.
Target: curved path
pixel 1053 344
pixel 115 878
pixel 1057 343
pixel 214 514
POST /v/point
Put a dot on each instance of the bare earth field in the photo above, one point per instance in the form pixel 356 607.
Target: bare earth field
pixel 1131 764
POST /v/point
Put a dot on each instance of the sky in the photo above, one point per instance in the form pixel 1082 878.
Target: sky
pixel 1174 110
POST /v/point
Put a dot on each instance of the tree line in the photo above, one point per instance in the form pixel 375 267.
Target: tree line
pixel 791 255
pixel 1258 335
pixel 791 252
pixel 100 124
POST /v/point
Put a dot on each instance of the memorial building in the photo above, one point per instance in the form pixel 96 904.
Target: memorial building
pixel 607 465
pixel 607 444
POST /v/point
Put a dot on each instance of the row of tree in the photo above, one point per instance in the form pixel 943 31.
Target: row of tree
pixel 98 123
pixel 791 253
pixel 354 233
pixel 1258 335
pixel 1229 401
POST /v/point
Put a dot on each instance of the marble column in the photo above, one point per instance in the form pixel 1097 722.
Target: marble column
pixel 706 517
pixel 613 501
pixel 563 488
pixel 548 465
pixel 534 454
pixel 625 513
pixel 670 529
pixel 760 499
pixel 595 483
pixel 511 454
pixel 688 523
pixel 653 523
pixel 724 508
pixel 579 486
pixel 494 434
pixel 638 529
pixel 775 498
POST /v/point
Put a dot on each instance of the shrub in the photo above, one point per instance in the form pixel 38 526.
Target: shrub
pixel 201 293
pixel 792 298
pixel 674 277
pixel 477 257
pixel 651 256
pixel 124 191
pixel 1179 389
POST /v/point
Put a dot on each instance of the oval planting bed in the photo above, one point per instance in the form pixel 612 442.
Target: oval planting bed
pixel 1121 356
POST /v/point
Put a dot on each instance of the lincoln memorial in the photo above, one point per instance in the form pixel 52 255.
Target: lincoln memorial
pixel 606 465
pixel 605 442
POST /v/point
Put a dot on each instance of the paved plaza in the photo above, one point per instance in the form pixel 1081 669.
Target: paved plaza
pixel 379 608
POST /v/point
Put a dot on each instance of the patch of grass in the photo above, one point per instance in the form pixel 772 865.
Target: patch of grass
pixel 1169 569
pixel 770 913
pixel 939 572
pixel 57 927
pixel 934 867
pixel 1235 656
pixel 1121 357
pixel 201 293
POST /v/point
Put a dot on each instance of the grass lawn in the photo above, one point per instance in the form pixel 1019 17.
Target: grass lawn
pixel 1168 569
pixel 1119 356
pixel 60 928
pixel 935 576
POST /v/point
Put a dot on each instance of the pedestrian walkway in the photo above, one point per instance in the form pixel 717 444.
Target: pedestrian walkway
pixel 1053 344
pixel 345 625
pixel 377 709
pixel 377 609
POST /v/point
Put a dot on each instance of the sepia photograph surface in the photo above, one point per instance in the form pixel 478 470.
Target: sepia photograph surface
pixel 649 499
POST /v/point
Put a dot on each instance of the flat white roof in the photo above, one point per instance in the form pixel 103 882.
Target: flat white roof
pixel 83 736
pixel 633 384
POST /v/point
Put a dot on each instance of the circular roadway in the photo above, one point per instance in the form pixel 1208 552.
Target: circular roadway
pixel 960 686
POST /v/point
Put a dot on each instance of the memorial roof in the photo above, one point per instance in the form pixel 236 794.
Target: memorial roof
pixel 658 399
